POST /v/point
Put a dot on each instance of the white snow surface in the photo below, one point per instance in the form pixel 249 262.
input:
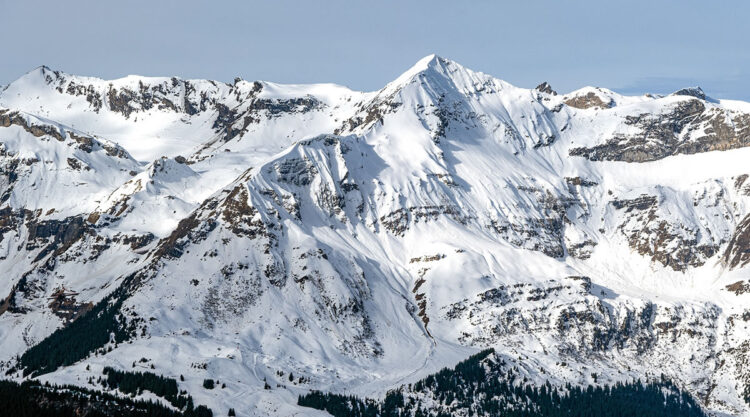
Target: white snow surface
pixel 363 240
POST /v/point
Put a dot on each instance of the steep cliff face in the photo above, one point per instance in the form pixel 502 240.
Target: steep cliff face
pixel 311 237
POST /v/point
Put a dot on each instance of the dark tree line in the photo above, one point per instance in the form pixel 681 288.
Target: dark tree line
pixel 101 325
pixel 135 383
pixel 480 386
pixel 30 399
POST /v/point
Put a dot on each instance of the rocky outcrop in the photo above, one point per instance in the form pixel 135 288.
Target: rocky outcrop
pixel 234 122
pixel 83 142
pixel 696 92
pixel 584 325
pixel 546 89
pixel 588 101
pixel 544 230
pixel 10 118
pixel 399 221
pixel 689 127
pixel 543 235
pixel 674 245
pixel 737 253
pixel 126 101
pixel 56 236
pixel 63 304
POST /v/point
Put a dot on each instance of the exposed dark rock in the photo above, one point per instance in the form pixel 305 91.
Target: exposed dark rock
pixel 544 232
pixel 737 253
pixel 11 219
pixel 542 235
pixel 297 171
pixel 225 120
pixel 588 101
pixel 739 287
pixel 57 235
pixel 739 181
pixel 76 165
pixel 581 325
pixel 240 216
pixel 276 107
pixel 186 231
pixel 8 169
pixel 546 88
pixel 672 245
pixel 583 280
pixel 398 221
pixel 580 182
pixel 688 128
pixel 696 92
pixel 369 113
pixel 641 203
pixel 85 143
pixel 63 304
pixel 126 101
pixel 138 241
pixel 581 250
pixel 235 122
pixel 92 96
pixel 9 302
pixel 14 118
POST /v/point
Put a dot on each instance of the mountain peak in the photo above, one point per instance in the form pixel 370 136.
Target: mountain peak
pixel 41 72
pixel 696 92
pixel 427 64
pixel 441 73
pixel 429 61
pixel 546 88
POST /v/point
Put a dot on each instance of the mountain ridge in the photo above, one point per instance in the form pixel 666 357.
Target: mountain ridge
pixel 365 240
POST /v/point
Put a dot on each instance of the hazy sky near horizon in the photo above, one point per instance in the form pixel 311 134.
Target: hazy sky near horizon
pixel 632 47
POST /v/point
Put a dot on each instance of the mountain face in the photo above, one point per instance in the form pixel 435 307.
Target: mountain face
pixel 287 238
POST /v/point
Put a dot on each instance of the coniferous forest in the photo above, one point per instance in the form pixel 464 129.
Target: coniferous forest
pixel 30 399
pixel 483 386
pixel 101 325
pixel 134 383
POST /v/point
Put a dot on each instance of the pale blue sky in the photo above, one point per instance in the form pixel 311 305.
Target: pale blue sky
pixel 629 46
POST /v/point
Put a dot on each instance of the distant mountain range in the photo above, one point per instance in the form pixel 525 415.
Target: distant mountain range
pixel 272 240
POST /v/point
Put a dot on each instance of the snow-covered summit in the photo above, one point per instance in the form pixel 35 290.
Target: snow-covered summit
pixel 439 75
pixel 250 231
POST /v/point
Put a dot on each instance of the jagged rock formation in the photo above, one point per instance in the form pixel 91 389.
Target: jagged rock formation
pixel 687 127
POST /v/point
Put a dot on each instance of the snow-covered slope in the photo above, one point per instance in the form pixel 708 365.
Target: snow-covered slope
pixel 311 237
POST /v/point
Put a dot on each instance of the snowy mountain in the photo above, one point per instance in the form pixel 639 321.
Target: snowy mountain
pixel 288 238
